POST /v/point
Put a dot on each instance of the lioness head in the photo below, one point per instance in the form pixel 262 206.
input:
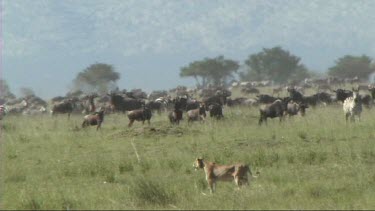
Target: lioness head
pixel 198 163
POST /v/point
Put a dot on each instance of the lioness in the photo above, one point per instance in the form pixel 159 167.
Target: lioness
pixel 214 172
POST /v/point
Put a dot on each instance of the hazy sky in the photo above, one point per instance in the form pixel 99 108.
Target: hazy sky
pixel 47 42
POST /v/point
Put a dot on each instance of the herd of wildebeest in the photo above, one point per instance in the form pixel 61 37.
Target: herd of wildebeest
pixel 196 102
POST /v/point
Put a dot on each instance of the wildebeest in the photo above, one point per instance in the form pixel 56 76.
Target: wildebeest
pixel 220 97
pixel 142 114
pixel 353 106
pixel 65 107
pixel 342 94
pixel 294 108
pixel 2 111
pixel 275 109
pixel 197 114
pixel 119 103
pixel 185 103
pixel 295 95
pixel 367 101
pixel 265 99
pixel 371 88
pixel 236 101
pixel 216 110
pixel 155 106
pixel 175 116
pixel 320 97
pixel 96 118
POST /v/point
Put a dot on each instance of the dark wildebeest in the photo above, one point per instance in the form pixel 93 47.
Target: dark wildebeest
pixel 192 104
pixel 265 99
pixel 119 103
pixel 197 114
pixel 320 97
pixel 96 118
pixel 2 111
pixel 65 107
pixel 295 95
pixel 184 103
pixel 216 110
pixel 294 108
pixel 175 116
pixel 220 97
pixel 371 88
pixel 275 109
pixel 236 101
pixel 342 94
pixel 155 106
pixel 324 97
pixel 140 115
pixel 367 101
pixel 312 100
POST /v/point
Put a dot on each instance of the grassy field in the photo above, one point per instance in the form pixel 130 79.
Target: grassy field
pixel 315 162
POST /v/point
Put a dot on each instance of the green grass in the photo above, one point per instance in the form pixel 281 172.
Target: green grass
pixel 315 162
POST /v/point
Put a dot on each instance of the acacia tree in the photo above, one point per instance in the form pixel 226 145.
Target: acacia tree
pixel 26 91
pixel 274 64
pixel 351 66
pixel 98 77
pixel 215 71
pixel 5 90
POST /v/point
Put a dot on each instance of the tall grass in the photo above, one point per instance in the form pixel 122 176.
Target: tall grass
pixel 315 162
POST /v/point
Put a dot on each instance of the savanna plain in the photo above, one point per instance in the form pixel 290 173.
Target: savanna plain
pixel 314 162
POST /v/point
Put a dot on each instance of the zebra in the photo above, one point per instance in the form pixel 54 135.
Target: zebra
pixel 353 106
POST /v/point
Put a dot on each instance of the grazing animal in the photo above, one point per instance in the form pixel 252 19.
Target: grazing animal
pixel 214 172
pixel 155 106
pixel 275 109
pixel 353 106
pixel 140 115
pixel 96 118
pixel 185 103
pixel 323 97
pixel 216 110
pixel 197 114
pixel 294 108
pixel 220 97
pixel 342 94
pixel 175 116
pixel 295 95
pixel 371 88
pixel 2 111
pixel 192 104
pixel 367 101
pixel 122 104
pixel 65 107
pixel 265 99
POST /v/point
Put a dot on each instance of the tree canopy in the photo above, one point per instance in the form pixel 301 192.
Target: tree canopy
pixel 352 66
pixel 26 91
pixel 274 64
pixel 215 71
pixel 98 77
pixel 5 90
